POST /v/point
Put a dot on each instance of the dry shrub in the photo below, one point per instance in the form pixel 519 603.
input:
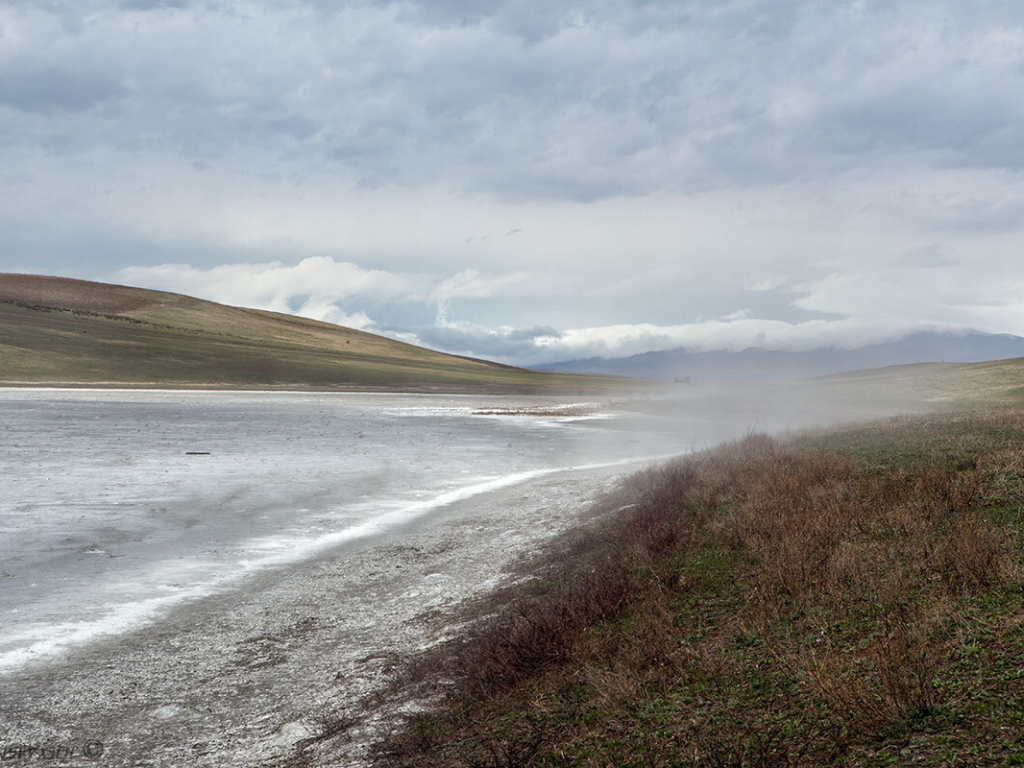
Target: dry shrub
pixel 640 662
pixel 893 687
pixel 972 554
pixel 795 515
pixel 853 569
pixel 661 519
pixel 895 579
pixel 723 471
pixel 753 746
pixel 665 485
pixel 589 578
pixel 1004 472
pixel 942 493
pixel 758 444
pixel 538 633
pixel 517 749
pixel 907 664
pixel 904 524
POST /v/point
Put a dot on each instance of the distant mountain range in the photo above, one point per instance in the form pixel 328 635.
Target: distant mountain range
pixel 759 365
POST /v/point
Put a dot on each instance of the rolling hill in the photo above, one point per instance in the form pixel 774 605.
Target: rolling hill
pixel 853 396
pixel 64 332
pixel 942 386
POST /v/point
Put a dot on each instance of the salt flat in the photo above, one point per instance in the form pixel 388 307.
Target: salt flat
pixel 193 576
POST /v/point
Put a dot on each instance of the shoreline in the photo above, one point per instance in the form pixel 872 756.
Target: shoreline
pixel 239 677
pixel 143 613
pixel 612 388
pixel 165 389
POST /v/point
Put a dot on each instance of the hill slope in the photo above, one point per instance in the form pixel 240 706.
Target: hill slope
pixel 945 386
pixel 857 395
pixel 60 331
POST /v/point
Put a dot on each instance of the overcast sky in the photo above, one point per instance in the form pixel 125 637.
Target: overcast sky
pixel 529 181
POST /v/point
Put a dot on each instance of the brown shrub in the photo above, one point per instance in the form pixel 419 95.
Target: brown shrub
pixel 972 554
pixel 907 664
pixel 943 493
pixel 795 515
pixel 589 578
pixel 892 689
pixel 753 746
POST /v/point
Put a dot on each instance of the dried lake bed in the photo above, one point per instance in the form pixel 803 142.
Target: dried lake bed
pixel 196 577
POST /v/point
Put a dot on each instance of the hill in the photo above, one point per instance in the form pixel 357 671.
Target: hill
pixel 852 396
pixel 59 331
pixel 755 364
pixel 937 386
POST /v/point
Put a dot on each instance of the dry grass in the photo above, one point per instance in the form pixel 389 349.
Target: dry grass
pixel 73 332
pixel 848 598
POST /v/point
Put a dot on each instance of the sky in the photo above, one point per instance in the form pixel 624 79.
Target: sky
pixel 530 182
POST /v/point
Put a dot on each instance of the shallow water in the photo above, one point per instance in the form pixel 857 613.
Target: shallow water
pixel 117 505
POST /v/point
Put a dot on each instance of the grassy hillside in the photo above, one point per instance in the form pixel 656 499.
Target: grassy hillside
pixel 853 597
pixel 62 331
pixel 854 396
pixel 944 386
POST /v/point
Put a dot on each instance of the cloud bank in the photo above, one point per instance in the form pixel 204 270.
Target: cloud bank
pixel 529 182
pixel 864 309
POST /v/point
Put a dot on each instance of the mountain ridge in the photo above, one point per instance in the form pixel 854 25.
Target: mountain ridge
pixel 755 363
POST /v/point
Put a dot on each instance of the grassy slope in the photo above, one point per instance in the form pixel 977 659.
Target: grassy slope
pixel 61 331
pixel 944 386
pixel 854 597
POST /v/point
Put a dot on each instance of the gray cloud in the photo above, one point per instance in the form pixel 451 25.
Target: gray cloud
pixel 47 88
pixel 930 256
pixel 582 102
pixel 661 164
pixel 150 5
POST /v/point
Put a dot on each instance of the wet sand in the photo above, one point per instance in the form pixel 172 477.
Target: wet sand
pixel 240 677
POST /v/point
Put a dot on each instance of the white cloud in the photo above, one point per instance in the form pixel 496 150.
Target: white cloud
pixel 546 345
pixel 765 283
pixel 327 311
pixel 854 307
pixel 319 287
pixel 470 284
pixel 317 281
pixel 586 103
pixel 727 334
pixel 739 314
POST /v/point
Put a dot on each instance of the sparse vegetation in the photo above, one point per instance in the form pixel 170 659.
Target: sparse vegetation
pixel 75 333
pixel 852 597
